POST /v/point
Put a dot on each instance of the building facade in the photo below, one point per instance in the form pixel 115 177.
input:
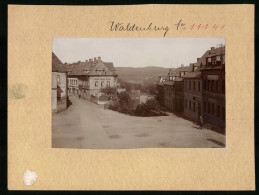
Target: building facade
pixel 59 96
pixel 193 95
pixel 213 78
pixel 197 90
pixel 86 79
pixel 160 89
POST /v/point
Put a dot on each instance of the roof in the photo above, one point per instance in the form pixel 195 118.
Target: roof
pixel 109 65
pixel 177 79
pixel 212 68
pixel 181 69
pixel 209 53
pixel 90 67
pixel 57 65
pixel 168 83
pixel 195 74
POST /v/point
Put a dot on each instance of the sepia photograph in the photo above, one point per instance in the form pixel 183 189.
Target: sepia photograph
pixel 126 93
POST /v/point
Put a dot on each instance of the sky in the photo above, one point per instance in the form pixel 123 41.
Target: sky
pixel 135 52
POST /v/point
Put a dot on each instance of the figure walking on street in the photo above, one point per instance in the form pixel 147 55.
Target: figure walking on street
pixel 200 122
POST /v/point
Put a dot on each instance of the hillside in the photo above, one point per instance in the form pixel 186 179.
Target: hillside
pixel 143 75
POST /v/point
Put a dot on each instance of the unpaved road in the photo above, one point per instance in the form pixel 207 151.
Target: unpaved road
pixel 87 125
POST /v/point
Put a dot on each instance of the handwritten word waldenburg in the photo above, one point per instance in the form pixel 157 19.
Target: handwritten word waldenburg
pixel 120 26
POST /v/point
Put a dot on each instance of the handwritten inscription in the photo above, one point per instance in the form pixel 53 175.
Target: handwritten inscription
pixel 180 25
pixel 120 26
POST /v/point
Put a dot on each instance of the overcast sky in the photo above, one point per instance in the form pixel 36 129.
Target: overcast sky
pixel 135 52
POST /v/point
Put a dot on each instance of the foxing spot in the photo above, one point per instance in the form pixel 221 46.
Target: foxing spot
pixel 29 177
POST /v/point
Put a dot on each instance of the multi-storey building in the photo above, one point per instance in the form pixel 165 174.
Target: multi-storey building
pixel 213 78
pixel 173 89
pixel 59 85
pixel 89 77
pixel 193 95
pixel 160 89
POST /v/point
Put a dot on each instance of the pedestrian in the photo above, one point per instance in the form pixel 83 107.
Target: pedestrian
pixel 201 122
pixel 79 95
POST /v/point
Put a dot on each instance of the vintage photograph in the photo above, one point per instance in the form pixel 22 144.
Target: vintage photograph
pixel 126 93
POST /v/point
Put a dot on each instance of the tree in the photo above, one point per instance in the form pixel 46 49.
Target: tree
pixel 109 91
pixel 124 98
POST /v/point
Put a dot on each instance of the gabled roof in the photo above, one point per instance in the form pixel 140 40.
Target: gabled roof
pixel 57 65
pixel 177 71
pixel 209 53
pixel 109 65
pixel 90 67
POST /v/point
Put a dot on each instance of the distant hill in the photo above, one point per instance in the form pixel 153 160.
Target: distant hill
pixel 143 75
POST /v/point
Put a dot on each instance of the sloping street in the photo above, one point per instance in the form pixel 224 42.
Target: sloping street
pixel 88 125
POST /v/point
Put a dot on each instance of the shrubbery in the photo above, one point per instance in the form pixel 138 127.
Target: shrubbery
pixel 125 105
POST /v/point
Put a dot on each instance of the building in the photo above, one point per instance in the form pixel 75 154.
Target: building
pixel 178 90
pixel 59 85
pixel 160 89
pixel 173 89
pixel 193 95
pixel 88 78
pixel 168 91
pixel 213 78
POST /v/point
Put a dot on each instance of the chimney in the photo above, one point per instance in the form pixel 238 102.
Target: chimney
pixel 79 61
pixel 198 59
pixel 90 59
pixel 94 58
pixel 192 67
pixel 212 48
pixel 86 60
pixel 99 58
pixel 182 65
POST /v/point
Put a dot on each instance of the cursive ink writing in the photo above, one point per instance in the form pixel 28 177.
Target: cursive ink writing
pixel 120 26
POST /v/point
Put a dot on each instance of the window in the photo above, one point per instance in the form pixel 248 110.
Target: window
pixel 218 111
pixel 190 104
pixel 223 113
pixel 58 79
pixel 96 83
pixel 205 84
pixel 185 103
pixel 212 85
pixel 208 85
pixel 199 86
pixel 216 86
pixel 204 106
pixel 208 107
pixel 213 60
pixel 194 85
pixel 212 108
pixel 108 83
pixel 102 83
pixel 194 107
pixel 190 85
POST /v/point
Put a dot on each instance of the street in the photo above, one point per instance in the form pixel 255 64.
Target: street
pixel 88 125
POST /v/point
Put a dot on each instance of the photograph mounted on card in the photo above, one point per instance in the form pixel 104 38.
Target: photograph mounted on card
pixel 138 93
pixel 101 100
